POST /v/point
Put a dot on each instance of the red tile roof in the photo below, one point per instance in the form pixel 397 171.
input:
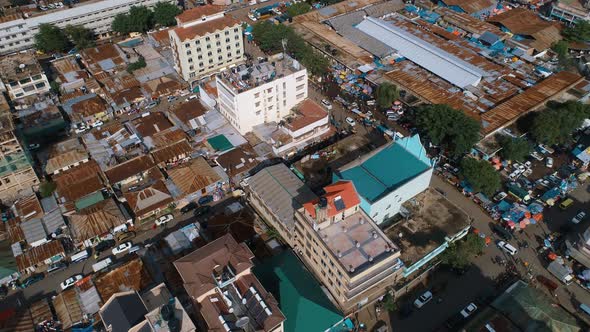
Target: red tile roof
pixel 341 190
pixel 204 28
pixel 198 12
pixel 309 112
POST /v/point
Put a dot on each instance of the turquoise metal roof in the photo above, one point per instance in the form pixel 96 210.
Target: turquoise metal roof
pixel 388 169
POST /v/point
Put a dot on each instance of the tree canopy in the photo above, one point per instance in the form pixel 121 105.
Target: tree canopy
pixel 450 128
pixel 165 13
pixel 298 9
pixel 580 32
pixel 556 124
pixel 50 38
pixel 139 19
pixel 80 36
pixel 514 148
pixel 140 63
pixel 386 94
pixel 270 37
pixel 480 175
pixel 458 254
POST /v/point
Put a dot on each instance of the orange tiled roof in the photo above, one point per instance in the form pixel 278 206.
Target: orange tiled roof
pixel 202 29
pixel 198 12
pixel 341 190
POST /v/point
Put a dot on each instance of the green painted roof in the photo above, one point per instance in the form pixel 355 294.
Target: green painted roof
pixel 89 200
pixel 13 162
pixel 220 143
pixel 300 297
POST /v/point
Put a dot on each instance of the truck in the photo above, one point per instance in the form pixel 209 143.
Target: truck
pixel 561 272
pixel 102 264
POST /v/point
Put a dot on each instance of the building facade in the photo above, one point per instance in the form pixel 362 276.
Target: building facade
pixel 23 76
pixel 19 34
pixel 265 92
pixel 571 11
pixel 205 42
pixel 340 244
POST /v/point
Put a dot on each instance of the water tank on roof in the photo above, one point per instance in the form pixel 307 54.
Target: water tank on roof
pixel 323 202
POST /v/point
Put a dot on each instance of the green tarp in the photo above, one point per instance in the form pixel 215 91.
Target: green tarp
pixel 300 297
pixel 220 143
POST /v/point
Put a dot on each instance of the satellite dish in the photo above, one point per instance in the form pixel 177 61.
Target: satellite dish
pixel 242 322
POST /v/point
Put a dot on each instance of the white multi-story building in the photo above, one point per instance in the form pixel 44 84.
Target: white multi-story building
pixel 571 11
pixel 18 34
pixel 22 75
pixel 262 93
pixel 205 41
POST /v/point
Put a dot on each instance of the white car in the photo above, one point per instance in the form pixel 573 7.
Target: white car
pixel 191 97
pixel 549 162
pixel 537 156
pixel 171 98
pixel 80 129
pixel 500 196
pixel 97 124
pixel 468 310
pixel 151 105
pixel 528 164
pixel 507 247
pixel 122 248
pixel 326 104
pixel 423 299
pixel 350 121
pixel 71 281
pixel 164 219
pixel 579 217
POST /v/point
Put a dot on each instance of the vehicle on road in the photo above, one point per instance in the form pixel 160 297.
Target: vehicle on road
pixel 97 124
pixel 135 248
pixel 549 162
pixel 102 264
pixel 80 128
pixel 80 256
pixel 537 156
pixel 124 236
pixel 32 279
pixel 566 203
pixel 507 247
pixel 191 97
pixel 71 281
pixel 164 219
pixel 561 272
pixel 190 206
pixel 202 210
pixel 123 247
pixel 468 310
pixel 502 232
pixel 104 245
pixel 151 105
pixel 56 267
pixel 579 217
pixel 423 299
pixel 500 196
pixel 327 104
pixel 350 121
pixel 34 146
pixel 205 199
pixel 171 98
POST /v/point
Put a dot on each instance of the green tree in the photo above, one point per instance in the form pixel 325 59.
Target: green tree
pixel 50 38
pixel 269 36
pixel 514 148
pixel 47 188
pixel 580 32
pixel 561 48
pixel 141 19
pixel 458 254
pixel 165 13
pixel 80 36
pixel 386 94
pixel 121 23
pixel 140 63
pixel 316 63
pixel 481 175
pixel 55 88
pixel 450 128
pixel 389 303
pixel 298 9
pixel 555 125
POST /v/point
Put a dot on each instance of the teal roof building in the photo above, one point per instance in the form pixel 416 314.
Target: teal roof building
pixel 389 176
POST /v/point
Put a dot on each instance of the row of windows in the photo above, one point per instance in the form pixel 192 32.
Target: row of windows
pixel 27 40
pixel 198 41
pixel 208 46
pixel 228 47
pixel 219 58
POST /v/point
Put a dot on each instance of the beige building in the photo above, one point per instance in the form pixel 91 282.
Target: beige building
pixel 340 244
pixel 205 41
pixel 17 176
pixel 23 76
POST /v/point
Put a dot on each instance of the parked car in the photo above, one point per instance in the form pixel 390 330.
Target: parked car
pixel 32 279
pixel 500 196
pixel 326 104
pixel 71 281
pixel 104 245
pixel 579 217
pixel 423 299
pixel 350 121
pixel 172 98
pixel 190 206
pixel 151 105
pixel 549 162
pixel 202 210
pixel 191 97
pixel 164 219
pixel 34 146
pixel 537 156
pixel 56 267
pixel 135 248
pixel 122 248
pixel 124 236
pixel 471 308
pixel 205 199
pixel 507 247
pixel 97 124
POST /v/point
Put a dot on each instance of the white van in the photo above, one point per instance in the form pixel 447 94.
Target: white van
pixel 120 228
pixel 79 256
pixel 507 247
pixel 102 264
